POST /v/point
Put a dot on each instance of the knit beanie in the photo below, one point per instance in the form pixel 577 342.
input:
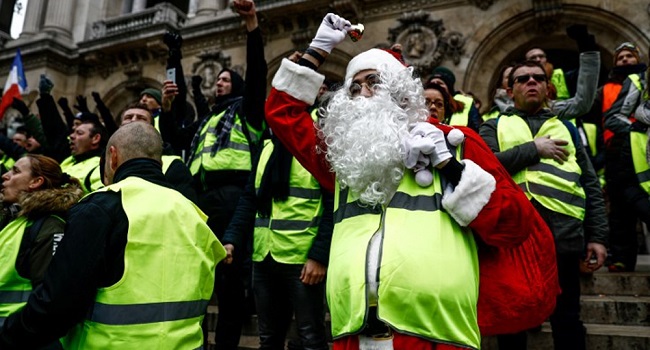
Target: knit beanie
pixel 155 93
pixel 445 75
pixel 627 46
pixel 376 59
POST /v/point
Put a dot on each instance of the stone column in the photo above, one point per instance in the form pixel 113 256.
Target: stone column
pixel 59 17
pixel 33 18
pixel 127 6
pixel 206 8
pixel 139 5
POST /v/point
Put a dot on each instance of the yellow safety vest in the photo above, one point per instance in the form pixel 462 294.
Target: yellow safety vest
pixel 462 117
pixel 167 162
pixel 428 276
pixel 638 142
pixel 558 80
pixel 87 172
pixel 290 230
pixel 556 186
pixel 157 304
pixel 235 156
pixel 14 289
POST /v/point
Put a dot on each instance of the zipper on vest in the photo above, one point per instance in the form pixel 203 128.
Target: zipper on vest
pixel 373 253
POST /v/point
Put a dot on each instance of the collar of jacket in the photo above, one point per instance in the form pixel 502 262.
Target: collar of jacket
pixel 544 112
pixel 87 155
pixel 49 201
pixel 144 168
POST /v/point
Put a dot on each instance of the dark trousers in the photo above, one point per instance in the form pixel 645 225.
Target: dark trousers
pixel 230 280
pixel 627 200
pixel 627 205
pixel 568 330
pixel 279 294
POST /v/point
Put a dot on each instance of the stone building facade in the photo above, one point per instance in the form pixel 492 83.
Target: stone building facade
pixel 115 47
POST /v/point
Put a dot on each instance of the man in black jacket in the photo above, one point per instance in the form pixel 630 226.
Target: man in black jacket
pixel 99 240
pixel 546 158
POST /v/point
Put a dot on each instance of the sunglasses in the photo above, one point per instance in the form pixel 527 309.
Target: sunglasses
pixel 521 79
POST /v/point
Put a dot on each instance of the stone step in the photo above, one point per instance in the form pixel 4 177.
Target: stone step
pixel 599 336
pixel 615 310
pixel 619 283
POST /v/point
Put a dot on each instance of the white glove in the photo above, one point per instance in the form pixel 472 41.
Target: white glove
pixel 331 32
pixel 433 136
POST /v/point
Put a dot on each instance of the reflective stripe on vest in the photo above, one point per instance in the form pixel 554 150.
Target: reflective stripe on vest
pixel 416 233
pixel 86 171
pixel 462 117
pixel 289 232
pixel 156 304
pixel 558 80
pixel 234 156
pixel 167 162
pixel 14 289
pixel 556 186
pixel 638 142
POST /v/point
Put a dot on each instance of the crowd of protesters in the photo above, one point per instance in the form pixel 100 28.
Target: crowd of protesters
pixel 423 222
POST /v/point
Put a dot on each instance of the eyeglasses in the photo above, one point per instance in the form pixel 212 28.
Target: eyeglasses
pixel 626 46
pixel 525 78
pixel 371 80
pixel 438 103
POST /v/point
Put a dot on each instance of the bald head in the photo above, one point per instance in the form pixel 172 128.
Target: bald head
pixel 134 140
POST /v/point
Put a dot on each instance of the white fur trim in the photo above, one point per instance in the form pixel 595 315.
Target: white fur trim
pixel 299 82
pixel 471 194
pixel 372 59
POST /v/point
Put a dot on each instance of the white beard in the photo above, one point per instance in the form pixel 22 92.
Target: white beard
pixel 364 143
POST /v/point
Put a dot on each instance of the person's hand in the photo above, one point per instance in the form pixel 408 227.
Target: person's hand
pixel 45 85
pixel 313 272
pixel 96 97
pixel 244 7
pixel 173 40
pixel 332 31
pixel 440 151
pixel 230 249
pixel 580 34
pixel 63 102
pixel 596 254
pixel 552 149
pixel 82 104
pixel 169 92
pixel 295 56
pixel 20 106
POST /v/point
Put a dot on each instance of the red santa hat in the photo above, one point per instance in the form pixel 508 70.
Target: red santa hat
pixel 376 59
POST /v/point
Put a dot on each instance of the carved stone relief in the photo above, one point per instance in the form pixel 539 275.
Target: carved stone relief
pixel 425 41
pixel 208 67
pixel 482 4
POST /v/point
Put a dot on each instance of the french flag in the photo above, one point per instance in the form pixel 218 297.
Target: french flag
pixel 16 84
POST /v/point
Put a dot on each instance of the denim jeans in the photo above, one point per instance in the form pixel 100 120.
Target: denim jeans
pixel 279 294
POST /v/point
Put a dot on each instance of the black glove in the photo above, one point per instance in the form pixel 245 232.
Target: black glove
pixel 173 40
pixel 20 106
pixel 45 85
pixel 196 82
pixel 97 98
pixel 63 102
pixel 82 104
pixel 638 127
pixel 580 34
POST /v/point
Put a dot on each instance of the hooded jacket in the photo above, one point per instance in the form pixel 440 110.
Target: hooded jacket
pixel 34 255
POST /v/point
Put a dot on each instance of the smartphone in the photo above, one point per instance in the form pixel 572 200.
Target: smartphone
pixel 171 74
